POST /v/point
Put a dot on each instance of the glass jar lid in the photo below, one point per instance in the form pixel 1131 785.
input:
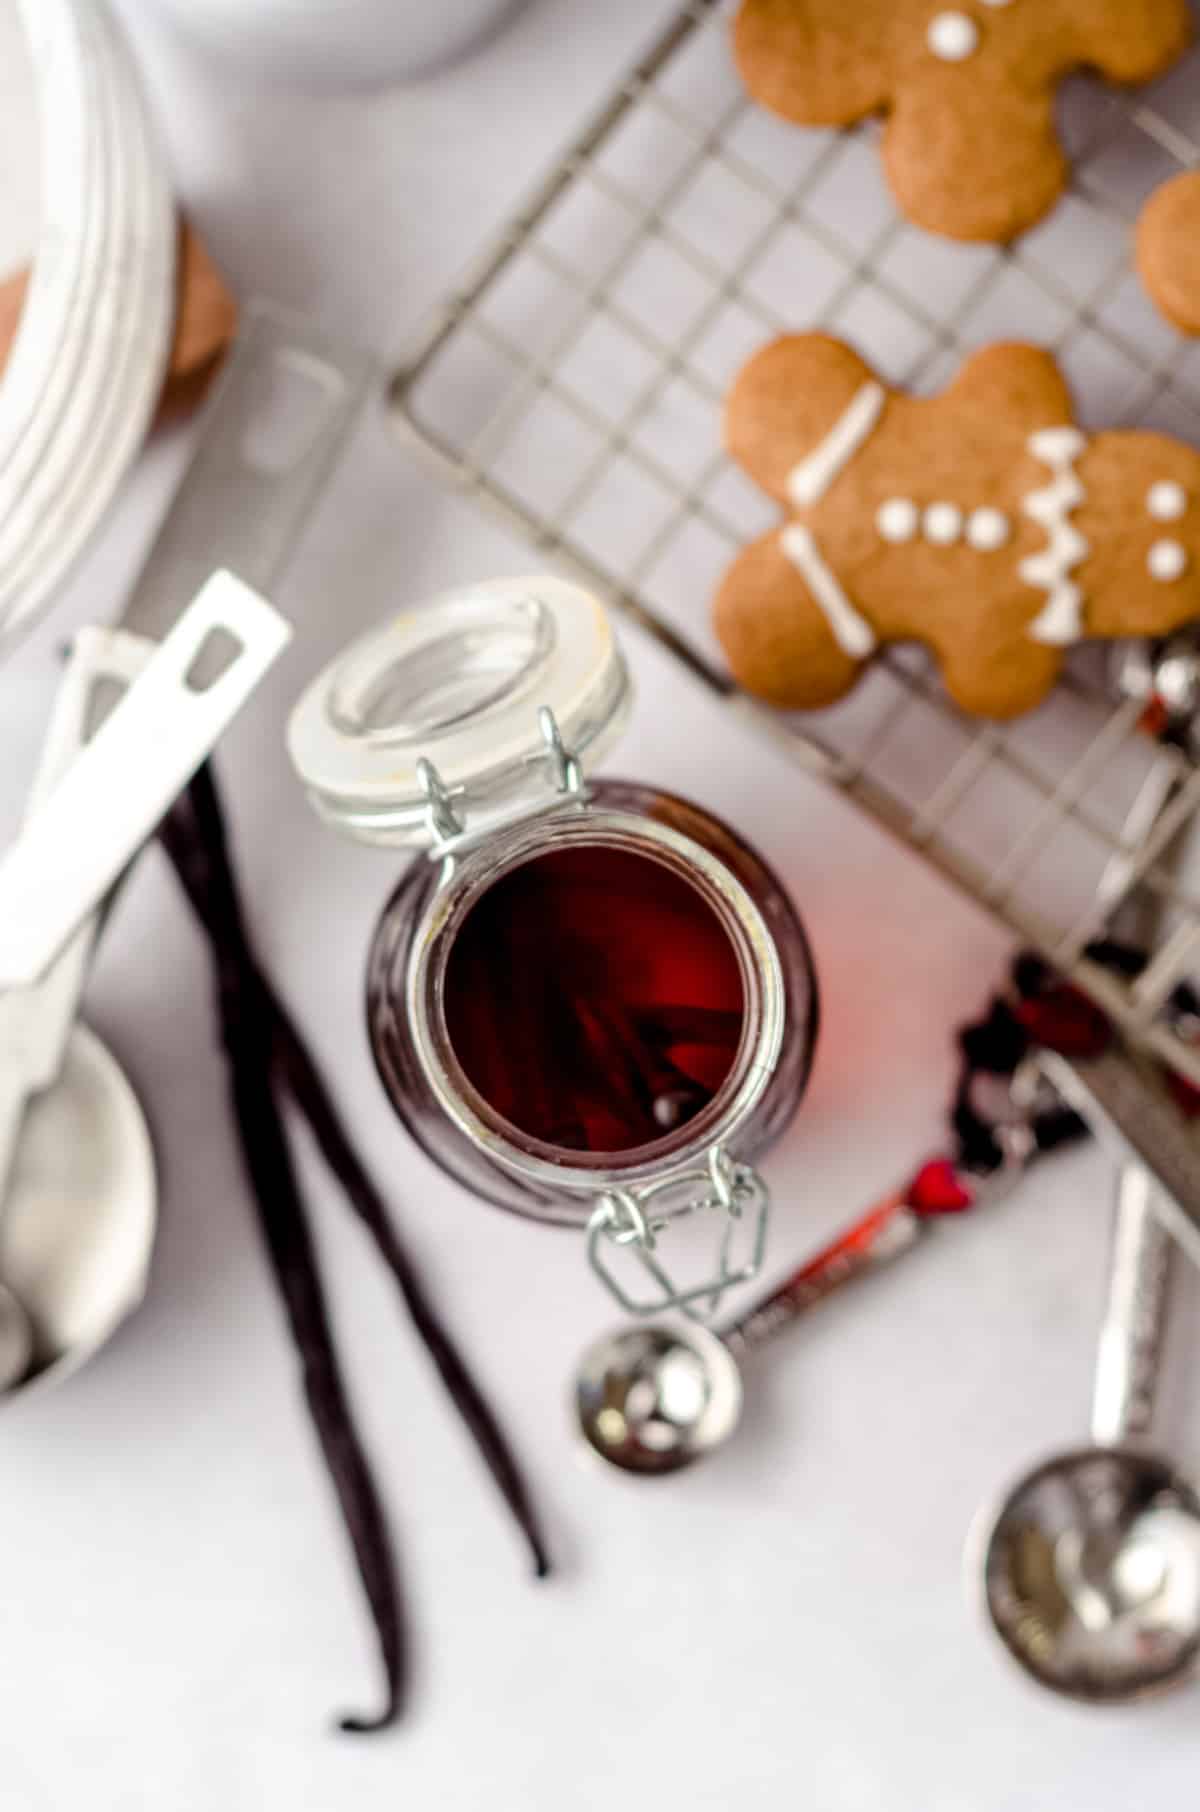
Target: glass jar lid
pixel 449 699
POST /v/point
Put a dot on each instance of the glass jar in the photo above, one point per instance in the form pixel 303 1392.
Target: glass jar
pixel 592 1002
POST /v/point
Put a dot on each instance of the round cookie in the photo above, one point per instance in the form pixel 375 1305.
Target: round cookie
pixel 970 146
pixel 981 523
pixel 1168 250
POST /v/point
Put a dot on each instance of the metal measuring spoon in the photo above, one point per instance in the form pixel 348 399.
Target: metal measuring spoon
pixel 652 1398
pixel 35 1022
pixel 1091 1569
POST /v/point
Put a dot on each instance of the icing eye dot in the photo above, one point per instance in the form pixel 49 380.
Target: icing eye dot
pixel 1167 560
pixel 943 523
pixel 952 36
pixel 897 519
pixel 988 529
pixel 1166 500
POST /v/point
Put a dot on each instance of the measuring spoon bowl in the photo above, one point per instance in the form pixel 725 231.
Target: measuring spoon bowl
pixel 78 1224
pixel 653 1398
pixel 1091 1574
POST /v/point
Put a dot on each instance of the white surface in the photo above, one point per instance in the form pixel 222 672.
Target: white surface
pixel 786 1627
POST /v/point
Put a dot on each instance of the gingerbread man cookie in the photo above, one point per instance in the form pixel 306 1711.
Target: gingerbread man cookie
pixel 970 147
pixel 981 522
pixel 1168 250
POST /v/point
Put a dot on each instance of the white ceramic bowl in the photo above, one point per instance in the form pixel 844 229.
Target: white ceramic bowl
pixel 19 153
pixel 335 43
pixel 87 363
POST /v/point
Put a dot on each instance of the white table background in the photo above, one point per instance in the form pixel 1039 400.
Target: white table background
pixel 787 1626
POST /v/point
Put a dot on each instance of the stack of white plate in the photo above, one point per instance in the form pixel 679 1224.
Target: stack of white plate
pixel 85 370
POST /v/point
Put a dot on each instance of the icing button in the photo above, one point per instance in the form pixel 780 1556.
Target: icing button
pixel 1167 560
pixel 988 529
pixel 897 519
pixel 952 36
pixel 943 523
pixel 1166 500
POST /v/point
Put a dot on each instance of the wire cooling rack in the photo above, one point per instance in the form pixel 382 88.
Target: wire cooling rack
pixel 575 382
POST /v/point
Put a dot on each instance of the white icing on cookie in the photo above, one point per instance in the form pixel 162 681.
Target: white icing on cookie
pixel 988 529
pixel 1061 619
pixel 898 519
pixel 952 36
pixel 812 477
pixel 942 523
pixel 1167 560
pixel 997 2
pixel 1166 501
pixel 852 633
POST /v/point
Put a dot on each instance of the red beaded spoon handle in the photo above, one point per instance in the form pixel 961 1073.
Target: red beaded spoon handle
pixel 885 1231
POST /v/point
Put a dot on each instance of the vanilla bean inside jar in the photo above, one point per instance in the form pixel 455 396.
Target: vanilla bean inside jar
pixel 593 998
pixel 591 1002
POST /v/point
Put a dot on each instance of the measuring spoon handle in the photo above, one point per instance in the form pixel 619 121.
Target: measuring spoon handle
pixel 1127 1363
pixel 882 1234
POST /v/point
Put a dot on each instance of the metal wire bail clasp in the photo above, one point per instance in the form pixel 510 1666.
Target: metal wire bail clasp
pixel 443 821
pixel 564 765
pixel 634 1220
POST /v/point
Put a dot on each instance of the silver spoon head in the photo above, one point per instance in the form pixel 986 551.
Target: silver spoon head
pixel 16 1340
pixel 652 1399
pixel 1091 1574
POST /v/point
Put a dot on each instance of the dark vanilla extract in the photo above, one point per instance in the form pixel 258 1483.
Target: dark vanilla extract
pixel 594 999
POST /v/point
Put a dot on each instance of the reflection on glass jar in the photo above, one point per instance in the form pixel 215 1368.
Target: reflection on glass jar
pixel 591 1002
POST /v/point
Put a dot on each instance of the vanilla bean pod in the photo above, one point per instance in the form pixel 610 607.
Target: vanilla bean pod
pixel 197 843
pixel 248 1035
pixel 309 1090
pixel 313 1098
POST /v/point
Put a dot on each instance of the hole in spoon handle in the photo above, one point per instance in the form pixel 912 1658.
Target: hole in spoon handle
pixel 885 1231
